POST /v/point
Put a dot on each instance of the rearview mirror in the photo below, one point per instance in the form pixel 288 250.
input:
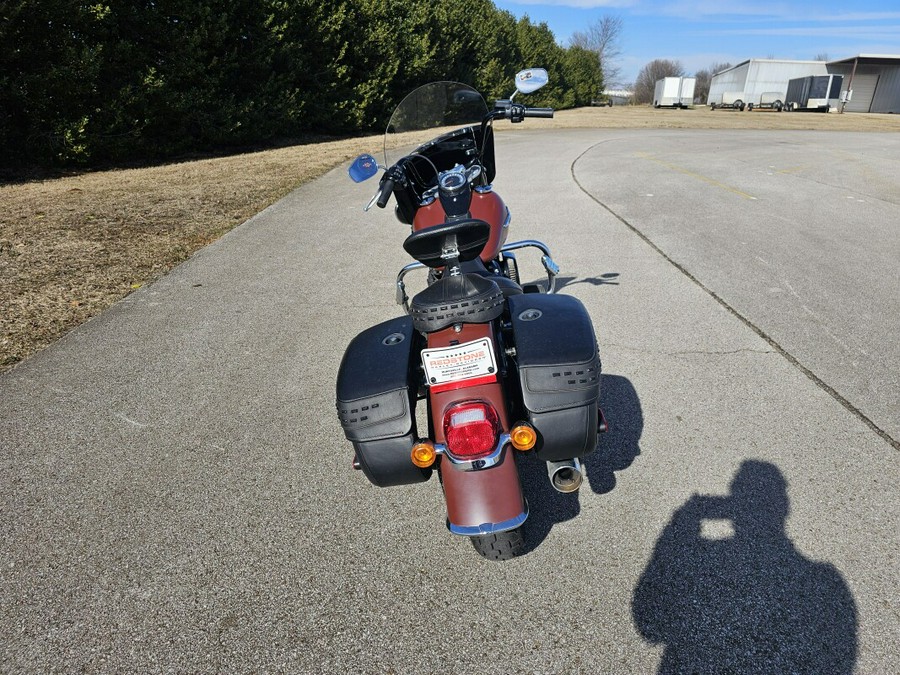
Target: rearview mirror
pixel 531 80
pixel 363 168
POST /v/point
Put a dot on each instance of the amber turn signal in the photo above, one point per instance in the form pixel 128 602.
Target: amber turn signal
pixel 423 454
pixel 523 436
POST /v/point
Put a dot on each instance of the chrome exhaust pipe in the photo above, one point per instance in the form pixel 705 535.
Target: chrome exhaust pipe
pixel 565 476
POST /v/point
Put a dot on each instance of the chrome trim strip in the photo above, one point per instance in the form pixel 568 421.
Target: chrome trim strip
pixel 475 464
pixel 489 528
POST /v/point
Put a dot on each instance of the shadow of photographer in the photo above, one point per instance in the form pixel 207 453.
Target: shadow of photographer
pixel 727 591
pixel 616 450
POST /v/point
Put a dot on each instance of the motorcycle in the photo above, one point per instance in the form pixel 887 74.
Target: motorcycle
pixel 503 367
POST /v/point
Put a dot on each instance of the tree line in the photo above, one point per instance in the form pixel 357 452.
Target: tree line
pixel 657 69
pixel 127 80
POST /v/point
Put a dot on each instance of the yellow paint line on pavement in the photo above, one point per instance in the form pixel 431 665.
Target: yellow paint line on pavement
pixel 694 174
pixel 792 169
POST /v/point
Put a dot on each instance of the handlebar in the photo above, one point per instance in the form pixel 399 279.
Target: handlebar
pixel 385 191
pixel 539 112
pixel 515 112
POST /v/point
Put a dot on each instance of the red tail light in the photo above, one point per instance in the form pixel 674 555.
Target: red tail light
pixel 471 429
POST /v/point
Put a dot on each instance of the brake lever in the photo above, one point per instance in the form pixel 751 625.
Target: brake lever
pixel 373 200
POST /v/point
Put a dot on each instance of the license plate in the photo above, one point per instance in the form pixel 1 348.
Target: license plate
pixel 460 362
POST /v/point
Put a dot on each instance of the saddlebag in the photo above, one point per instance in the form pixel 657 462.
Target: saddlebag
pixel 376 402
pixel 558 372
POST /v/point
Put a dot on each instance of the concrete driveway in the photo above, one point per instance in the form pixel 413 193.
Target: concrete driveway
pixel 176 492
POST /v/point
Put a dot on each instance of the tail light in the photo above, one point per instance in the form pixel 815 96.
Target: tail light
pixel 471 429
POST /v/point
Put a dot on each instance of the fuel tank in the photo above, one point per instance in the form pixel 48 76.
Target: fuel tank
pixel 486 205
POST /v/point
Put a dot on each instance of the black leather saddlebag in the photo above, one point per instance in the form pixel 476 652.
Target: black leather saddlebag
pixel 558 371
pixel 376 401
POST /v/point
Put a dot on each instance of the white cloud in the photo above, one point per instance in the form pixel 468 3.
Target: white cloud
pixel 710 10
pixel 872 32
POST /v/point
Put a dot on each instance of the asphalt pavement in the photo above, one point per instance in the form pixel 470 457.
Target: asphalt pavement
pixel 176 492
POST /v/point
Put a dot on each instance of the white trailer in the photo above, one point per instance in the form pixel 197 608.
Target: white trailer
pixel 768 100
pixel 730 100
pixel 674 92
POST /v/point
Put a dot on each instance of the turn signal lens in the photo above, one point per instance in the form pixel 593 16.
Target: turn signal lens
pixel 523 437
pixel 423 455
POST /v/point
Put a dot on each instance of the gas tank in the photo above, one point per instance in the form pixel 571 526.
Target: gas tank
pixel 486 205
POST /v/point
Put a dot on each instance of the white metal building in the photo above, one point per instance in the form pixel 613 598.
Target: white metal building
pixel 619 96
pixel 873 78
pixel 758 76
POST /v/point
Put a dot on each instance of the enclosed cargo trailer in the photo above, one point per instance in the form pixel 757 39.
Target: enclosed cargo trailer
pixel 674 92
pixel 818 93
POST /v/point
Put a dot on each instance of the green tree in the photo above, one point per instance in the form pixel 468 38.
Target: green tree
pixel 129 80
pixel 657 69
pixel 584 76
pixel 538 49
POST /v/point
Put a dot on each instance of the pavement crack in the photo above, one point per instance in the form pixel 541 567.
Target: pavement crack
pixel 818 381
pixel 692 352
pixel 720 352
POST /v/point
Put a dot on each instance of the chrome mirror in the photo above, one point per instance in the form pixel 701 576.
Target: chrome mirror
pixel 531 80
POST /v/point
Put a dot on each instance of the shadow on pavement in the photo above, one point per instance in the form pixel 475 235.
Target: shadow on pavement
pixel 608 279
pixel 727 591
pixel 615 452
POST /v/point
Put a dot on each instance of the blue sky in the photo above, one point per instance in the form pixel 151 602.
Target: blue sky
pixel 702 32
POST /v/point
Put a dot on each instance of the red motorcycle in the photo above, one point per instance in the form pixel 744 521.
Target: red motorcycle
pixel 502 367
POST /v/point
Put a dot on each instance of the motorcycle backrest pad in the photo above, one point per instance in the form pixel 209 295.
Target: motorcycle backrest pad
pixel 426 245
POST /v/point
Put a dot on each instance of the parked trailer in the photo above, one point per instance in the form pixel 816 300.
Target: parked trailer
pixel 768 100
pixel 731 100
pixel 814 93
pixel 674 92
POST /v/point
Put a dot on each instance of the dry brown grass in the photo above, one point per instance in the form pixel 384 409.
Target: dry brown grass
pixel 70 247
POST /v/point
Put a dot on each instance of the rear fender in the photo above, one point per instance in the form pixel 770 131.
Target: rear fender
pixel 486 501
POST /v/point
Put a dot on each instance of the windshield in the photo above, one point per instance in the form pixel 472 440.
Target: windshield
pixel 432 106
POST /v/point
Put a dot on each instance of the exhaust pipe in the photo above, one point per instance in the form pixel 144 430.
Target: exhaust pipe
pixel 565 476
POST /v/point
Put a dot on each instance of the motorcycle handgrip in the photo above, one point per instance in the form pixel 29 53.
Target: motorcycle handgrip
pixel 387 187
pixel 539 112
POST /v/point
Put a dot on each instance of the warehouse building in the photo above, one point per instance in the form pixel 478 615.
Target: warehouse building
pixel 873 78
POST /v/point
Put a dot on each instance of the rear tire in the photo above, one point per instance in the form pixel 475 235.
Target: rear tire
pixel 500 546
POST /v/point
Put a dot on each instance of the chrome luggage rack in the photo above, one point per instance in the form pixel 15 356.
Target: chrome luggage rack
pixel 550 267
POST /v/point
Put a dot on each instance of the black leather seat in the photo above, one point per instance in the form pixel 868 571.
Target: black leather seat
pixel 507 285
pixel 466 298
